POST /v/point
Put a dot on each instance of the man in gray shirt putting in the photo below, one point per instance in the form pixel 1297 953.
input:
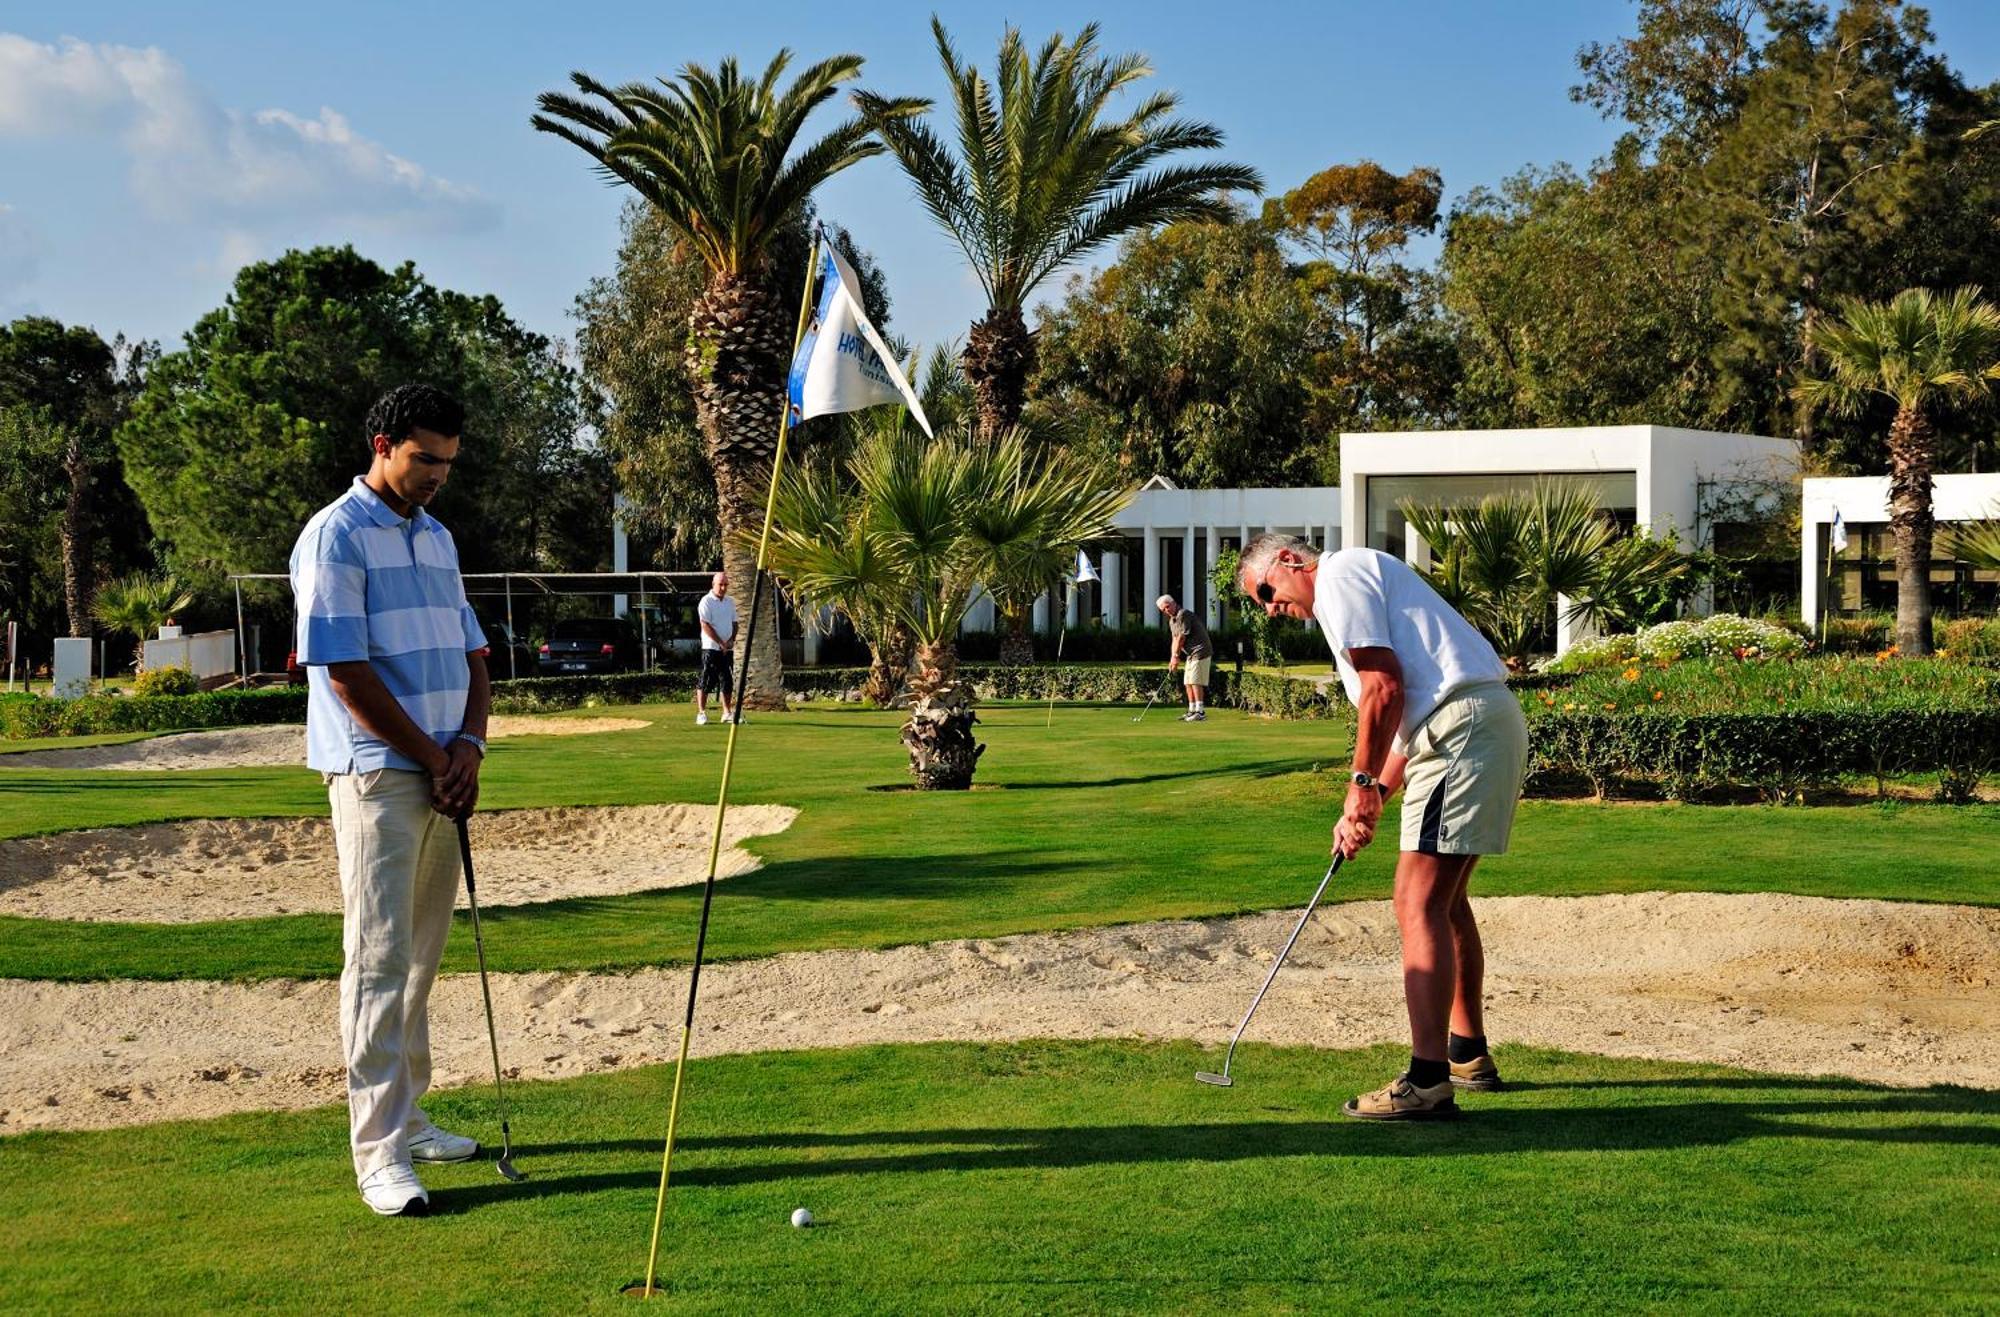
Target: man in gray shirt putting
pixel 1190 635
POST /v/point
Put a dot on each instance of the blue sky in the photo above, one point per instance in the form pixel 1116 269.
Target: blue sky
pixel 147 151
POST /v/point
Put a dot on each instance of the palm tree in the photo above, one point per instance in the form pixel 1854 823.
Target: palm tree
pixel 139 603
pixel 714 153
pixel 1507 560
pixel 1978 542
pixel 1043 175
pixel 906 539
pixel 1919 349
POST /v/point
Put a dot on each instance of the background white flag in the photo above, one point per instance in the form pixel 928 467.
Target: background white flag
pixel 1084 571
pixel 1837 537
pixel 842 364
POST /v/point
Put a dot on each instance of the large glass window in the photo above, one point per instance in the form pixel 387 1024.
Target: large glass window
pixel 1382 496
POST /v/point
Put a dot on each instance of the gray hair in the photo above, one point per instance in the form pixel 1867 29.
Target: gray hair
pixel 1258 553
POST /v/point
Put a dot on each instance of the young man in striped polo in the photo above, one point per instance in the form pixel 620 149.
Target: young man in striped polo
pixel 395 724
pixel 1433 716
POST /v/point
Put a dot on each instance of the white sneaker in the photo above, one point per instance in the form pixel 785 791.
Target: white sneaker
pixel 701 720
pixel 431 1144
pixel 395 1191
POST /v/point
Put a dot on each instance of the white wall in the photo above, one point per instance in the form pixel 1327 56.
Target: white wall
pixel 207 654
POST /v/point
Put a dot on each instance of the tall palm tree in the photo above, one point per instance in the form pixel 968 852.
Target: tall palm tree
pixel 1919 350
pixel 1043 174
pixel 714 151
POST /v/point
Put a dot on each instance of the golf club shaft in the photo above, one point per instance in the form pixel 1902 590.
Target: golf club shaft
pixel 1279 963
pixel 485 990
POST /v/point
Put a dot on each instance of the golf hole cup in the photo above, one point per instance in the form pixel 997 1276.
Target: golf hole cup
pixel 801 1218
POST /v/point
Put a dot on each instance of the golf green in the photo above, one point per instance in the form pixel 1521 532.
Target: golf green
pixel 1056 1177
pixel 1096 821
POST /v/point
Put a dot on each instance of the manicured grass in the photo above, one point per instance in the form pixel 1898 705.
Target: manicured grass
pixel 1056 1178
pixel 1099 821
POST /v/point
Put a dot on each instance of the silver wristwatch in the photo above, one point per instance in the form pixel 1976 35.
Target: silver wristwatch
pixel 1362 779
pixel 476 742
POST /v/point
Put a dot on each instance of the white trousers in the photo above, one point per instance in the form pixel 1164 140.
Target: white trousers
pixel 399 872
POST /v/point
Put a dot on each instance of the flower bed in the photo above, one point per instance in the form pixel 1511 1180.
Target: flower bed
pixel 1723 636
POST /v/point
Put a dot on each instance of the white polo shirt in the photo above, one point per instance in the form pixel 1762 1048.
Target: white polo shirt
pixel 1367 599
pixel 719 613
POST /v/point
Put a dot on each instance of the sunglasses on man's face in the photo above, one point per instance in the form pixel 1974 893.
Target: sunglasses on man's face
pixel 1265 593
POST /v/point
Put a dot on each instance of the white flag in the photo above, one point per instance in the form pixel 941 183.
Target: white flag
pixel 1837 536
pixel 842 364
pixel 1084 571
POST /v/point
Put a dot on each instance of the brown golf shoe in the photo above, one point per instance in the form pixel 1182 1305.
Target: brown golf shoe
pixel 1479 1075
pixel 1403 1100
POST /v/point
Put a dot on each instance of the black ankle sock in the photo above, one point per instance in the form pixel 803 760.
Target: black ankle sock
pixel 1428 1074
pixel 1462 1049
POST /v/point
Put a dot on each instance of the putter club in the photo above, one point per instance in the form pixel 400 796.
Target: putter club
pixel 1223 1080
pixel 1156 695
pixel 506 1162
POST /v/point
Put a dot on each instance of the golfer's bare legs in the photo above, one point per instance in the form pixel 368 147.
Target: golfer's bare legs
pixel 1468 1014
pixel 1427 886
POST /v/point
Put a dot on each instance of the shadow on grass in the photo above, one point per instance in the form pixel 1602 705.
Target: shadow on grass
pixel 1261 768
pixel 1488 1131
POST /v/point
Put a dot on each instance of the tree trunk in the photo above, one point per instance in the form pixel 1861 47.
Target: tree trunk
pixel 1017 647
pixel 939 735
pixel 1912 456
pixel 999 357
pixel 888 667
pixel 736 356
pixel 76 538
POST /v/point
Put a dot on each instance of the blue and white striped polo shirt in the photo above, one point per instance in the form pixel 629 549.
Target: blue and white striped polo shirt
pixel 371 585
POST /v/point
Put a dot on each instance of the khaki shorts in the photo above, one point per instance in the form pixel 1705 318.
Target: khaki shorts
pixel 1197 671
pixel 1464 774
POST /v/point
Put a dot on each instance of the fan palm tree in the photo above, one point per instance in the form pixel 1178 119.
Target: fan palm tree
pixel 1043 174
pixel 1978 542
pixel 719 156
pixel 1507 560
pixel 1919 350
pixel 906 539
pixel 138 604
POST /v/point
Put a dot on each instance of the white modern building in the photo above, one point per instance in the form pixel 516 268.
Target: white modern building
pixel 1649 476
pixel 1862 575
pixel 1167 541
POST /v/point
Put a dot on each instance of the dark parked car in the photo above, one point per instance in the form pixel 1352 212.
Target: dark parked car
pixel 511 656
pixel 590 644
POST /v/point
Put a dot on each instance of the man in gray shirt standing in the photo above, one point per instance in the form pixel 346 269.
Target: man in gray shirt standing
pixel 1190 635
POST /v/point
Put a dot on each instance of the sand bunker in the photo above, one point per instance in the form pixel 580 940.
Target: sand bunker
pixel 281 745
pixel 1878 991
pixel 179 873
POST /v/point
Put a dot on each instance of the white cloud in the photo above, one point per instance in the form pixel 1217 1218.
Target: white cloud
pixel 194 159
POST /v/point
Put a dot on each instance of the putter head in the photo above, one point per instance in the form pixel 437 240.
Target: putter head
pixel 1220 1081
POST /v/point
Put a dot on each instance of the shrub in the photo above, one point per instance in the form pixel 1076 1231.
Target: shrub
pixel 1723 636
pixel 1859 635
pixel 1972 637
pixel 1777 728
pixel 93 714
pixel 165 681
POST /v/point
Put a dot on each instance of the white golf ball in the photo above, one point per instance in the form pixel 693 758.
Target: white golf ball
pixel 801 1218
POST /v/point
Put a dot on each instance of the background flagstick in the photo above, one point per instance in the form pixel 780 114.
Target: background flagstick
pixel 647 1289
pixel 1061 634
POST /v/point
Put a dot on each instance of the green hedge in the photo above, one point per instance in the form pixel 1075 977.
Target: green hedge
pixel 1777 754
pixel 33 715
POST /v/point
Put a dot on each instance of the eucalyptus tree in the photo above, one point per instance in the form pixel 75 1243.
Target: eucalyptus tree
pixel 1043 171
pixel 1922 351
pixel 721 156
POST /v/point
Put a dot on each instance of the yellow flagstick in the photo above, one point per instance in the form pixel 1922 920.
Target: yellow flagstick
pixel 647 1290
